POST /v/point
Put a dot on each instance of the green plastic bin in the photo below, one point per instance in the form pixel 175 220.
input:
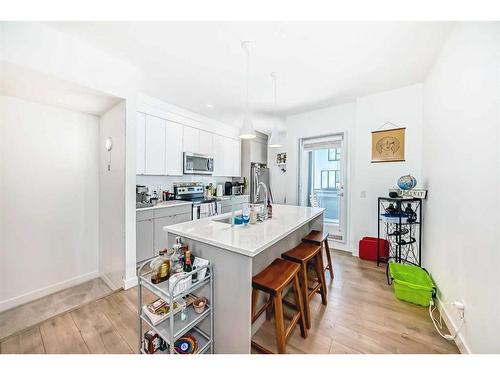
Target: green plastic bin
pixel 412 284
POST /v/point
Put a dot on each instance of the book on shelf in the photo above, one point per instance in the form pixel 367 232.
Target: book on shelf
pixel 159 310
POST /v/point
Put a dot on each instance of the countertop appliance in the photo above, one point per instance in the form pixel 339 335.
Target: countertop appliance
pixel 141 196
pixel 237 188
pixel 198 163
pixel 194 192
pixel 220 190
pixel 259 173
pixel 228 188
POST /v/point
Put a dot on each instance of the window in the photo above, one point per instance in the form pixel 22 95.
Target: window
pixel 334 154
pixel 330 179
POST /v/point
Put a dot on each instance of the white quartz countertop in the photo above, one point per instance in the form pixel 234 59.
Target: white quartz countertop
pixel 165 204
pixel 247 240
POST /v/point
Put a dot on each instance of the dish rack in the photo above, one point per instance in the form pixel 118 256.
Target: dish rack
pixel 179 286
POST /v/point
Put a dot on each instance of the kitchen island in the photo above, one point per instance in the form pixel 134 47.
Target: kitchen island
pixel 237 253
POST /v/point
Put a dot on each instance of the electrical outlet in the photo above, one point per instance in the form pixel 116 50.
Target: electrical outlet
pixel 460 306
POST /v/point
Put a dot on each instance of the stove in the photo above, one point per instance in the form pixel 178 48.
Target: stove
pixel 194 192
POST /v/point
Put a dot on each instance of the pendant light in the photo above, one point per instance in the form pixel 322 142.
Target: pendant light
pixel 274 140
pixel 247 131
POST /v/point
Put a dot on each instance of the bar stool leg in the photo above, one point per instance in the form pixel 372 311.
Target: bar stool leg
pixel 279 323
pixel 321 277
pixel 328 257
pixel 255 296
pixel 305 292
pixel 300 305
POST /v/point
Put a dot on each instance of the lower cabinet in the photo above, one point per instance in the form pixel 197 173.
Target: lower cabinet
pixel 151 237
pixel 144 245
pixel 182 218
pixel 160 236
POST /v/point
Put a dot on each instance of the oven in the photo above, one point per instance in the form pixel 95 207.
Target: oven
pixel 198 163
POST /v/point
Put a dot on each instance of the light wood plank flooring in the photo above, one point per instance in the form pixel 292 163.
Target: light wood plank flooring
pixel 29 314
pixel 362 316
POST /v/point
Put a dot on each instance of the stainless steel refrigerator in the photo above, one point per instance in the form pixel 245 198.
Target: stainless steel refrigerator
pixel 259 173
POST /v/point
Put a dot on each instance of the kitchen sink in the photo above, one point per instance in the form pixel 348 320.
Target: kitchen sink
pixel 226 220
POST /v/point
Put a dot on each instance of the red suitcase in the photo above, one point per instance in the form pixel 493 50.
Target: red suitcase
pixel 368 248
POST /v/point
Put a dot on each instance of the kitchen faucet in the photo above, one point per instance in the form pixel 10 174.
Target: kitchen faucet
pixel 257 195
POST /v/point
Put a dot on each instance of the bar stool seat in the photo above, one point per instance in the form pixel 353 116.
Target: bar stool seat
pixel 321 238
pixel 273 280
pixel 302 254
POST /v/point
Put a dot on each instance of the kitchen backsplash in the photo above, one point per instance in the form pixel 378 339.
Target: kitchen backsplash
pixel 165 182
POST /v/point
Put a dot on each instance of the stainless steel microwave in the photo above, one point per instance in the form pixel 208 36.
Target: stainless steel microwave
pixel 198 163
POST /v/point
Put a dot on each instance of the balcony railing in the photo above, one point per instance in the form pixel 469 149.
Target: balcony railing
pixel 328 199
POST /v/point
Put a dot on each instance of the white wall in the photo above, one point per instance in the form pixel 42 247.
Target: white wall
pixel 48 199
pixel 401 106
pixel 112 197
pixel 41 48
pixel 461 165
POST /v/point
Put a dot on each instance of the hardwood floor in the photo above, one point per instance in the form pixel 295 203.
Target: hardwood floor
pixel 362 316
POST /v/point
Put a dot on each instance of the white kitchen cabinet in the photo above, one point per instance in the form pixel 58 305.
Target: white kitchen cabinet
pixel 232 158
pixel 228 163
pixel 182 218
pixel 173 152
pixel 236 159
pixel 206 143
pixel 144 240
pixel 140 161
pixel 155 146
pixel 191 141
pixel 218 154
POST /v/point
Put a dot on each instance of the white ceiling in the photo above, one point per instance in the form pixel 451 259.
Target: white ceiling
pixel 192 64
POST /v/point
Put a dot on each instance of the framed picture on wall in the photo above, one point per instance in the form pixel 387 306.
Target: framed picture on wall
pixel 388 145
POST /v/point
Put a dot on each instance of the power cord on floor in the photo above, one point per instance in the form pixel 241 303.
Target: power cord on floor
pixel 439 326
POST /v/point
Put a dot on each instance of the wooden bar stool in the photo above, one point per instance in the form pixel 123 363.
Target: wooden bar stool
pixel 321 239
pixel 272 280
pixel 303 254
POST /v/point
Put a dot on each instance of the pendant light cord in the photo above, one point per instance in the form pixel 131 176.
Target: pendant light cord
pixel 273 77
pixel 246 46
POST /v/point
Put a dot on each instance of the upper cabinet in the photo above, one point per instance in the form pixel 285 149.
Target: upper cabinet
pixel 197 141
pixel 161 143
pixel 155 146
pixel 231 158
pixel 191 142
pixel 218 154
pixel 206 143
pixel 173 142
pixel 140 136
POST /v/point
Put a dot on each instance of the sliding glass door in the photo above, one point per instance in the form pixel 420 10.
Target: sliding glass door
pixel 322 180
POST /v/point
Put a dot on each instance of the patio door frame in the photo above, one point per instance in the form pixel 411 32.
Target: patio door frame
pixel 303 166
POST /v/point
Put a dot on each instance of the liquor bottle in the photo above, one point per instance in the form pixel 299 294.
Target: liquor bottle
pixel 160 267
pixel 187 262
pixel 269 209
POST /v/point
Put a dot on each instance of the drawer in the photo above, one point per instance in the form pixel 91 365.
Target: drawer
pixel 144 215
pixel 171 211
pixel 182 218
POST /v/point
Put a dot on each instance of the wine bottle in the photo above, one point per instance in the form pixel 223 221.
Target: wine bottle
pixel 187 262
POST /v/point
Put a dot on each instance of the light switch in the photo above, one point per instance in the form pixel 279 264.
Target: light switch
pixel 362 194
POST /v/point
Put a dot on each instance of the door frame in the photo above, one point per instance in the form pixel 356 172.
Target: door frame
pixel 345 218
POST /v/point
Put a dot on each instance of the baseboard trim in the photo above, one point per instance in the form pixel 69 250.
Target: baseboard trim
pixel 130 283
pixel 45 291
pixel 452 327
pixel 108 282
